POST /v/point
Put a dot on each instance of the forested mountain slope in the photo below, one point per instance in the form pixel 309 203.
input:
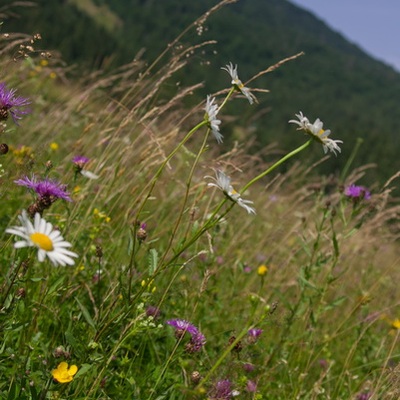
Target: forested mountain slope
pixel 355 95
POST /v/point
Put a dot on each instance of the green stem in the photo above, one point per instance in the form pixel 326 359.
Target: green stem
pixel 226 98
pixel 185 200
pixel 277 164
pixel 350 159
pixel 162 166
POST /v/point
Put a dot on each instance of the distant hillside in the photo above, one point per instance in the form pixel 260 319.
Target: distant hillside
pixel 355 95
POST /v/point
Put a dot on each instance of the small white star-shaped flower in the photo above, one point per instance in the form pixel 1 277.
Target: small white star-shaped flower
pixel 211 117
pixel 223 182
pixel 317 132
pixel 232 71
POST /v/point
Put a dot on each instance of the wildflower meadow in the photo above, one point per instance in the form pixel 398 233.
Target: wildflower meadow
pixel 147 255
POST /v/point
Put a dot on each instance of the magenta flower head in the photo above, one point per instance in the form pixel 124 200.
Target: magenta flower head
pixel 357 192
pixel 248 367
pixel 182 326
pixel 11 104
pixel 80 161
pixel 364 396
pixel 197 340
pixel 152 311
pixel 46 188
pixel 196 343
pixel 254 333
pixel 251 386
pixel 222 390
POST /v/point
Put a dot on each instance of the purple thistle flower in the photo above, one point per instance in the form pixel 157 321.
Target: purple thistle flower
pixel 248 367
pixel 46 188
pixel 357 192
pixel 246 269
pixel 80 161
pixel 255 333
pixel 184 326
pixel 152 311
pixel 364 396
pixel 196 343
pixel 11 104
pixel 323 363
pixel 197 340
pixel 222 390
pixel 251 386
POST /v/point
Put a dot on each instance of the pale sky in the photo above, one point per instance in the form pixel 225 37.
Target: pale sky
pixel 374 25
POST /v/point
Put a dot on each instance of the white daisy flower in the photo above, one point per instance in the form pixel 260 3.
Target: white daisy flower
pixel 232 71
pixel 317 132
pixel 211 117
pixel 41 234
pixel 303 121
pixel 223 182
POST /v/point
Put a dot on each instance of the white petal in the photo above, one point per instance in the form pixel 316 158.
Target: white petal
pixel 41 255
pixel 89 174
pixel 22 243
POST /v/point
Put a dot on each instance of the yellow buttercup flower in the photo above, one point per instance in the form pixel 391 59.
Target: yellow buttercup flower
pixel 54 146
pixel 63 374
pixel 262 270
pixel 396 323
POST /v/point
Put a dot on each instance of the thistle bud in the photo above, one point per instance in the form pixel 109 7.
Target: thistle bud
pixel 3 148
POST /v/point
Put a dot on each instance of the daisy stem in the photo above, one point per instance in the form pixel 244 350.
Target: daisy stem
pixel 277 164
pixel 227 98
pixel 185 139
pixel 185 200
pixel 166 161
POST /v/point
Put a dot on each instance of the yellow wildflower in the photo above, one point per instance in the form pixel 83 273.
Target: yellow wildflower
pixel 262 270
pixel 396 323
pixel 22 151
pixel 54 146
pixel 63 374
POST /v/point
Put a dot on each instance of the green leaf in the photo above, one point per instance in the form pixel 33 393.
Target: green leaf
pixel 335 244
pixel 70 338
pixel 12 392
pixel 335 303
pixel 34 394
pixel 37 279
pixel 86 314
pixel 54 287
pixel 83 369
pixel 305 282
pixel 153 261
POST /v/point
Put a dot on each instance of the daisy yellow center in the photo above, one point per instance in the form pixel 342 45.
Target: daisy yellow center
pixel 321 131
pixel 42 241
